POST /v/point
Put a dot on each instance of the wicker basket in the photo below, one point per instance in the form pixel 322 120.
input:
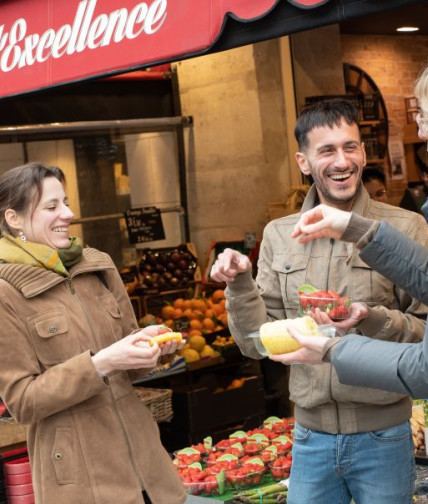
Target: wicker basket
pixel 158 401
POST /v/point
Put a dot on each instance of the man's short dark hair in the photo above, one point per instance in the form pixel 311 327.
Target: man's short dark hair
pixel 324 113
pixel 373 174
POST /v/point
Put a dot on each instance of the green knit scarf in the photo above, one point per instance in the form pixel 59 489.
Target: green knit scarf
pixel 14 250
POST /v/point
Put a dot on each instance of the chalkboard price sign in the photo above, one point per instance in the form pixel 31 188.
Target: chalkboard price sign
pixel 181 324
pixel 144 225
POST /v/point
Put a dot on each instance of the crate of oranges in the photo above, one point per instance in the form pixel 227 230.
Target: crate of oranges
pixel 200 319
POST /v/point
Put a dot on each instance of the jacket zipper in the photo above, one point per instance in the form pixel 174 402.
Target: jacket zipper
pixel 331 366
pixel 76 297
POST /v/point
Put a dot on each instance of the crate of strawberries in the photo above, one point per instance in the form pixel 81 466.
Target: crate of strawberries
pixel 240 462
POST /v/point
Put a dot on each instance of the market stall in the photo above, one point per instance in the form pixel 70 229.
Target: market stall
pixel 210 389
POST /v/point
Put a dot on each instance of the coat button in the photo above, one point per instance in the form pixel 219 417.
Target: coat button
pixel 58 456
pixel 287 266
pixel 52 329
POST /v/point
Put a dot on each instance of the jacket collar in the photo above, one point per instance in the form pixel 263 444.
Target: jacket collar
pixel 361 204
pixel 32 281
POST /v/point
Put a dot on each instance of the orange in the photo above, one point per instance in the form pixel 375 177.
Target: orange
pixel 209 313
pixel 167 311
pixel 218 309
pixel 196 324
pixel 222 318
pixel 199 304
pixel 169 323
pixel 196 315
pixel 188 313
pixel 195 332
pixel 208 323
pixel 236 383
pixel 187 303
pixel 178 303
pixel 218 295
pixel 177 313
pixel 218 328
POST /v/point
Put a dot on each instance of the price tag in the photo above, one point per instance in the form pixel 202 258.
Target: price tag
pixel 181 324
pixel 144 225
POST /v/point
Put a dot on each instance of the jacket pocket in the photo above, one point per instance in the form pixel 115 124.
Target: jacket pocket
pixel 114 315
pixel 301 385
pixel 291 271
pixel 51 338
pixel 63 456
pixel 368 286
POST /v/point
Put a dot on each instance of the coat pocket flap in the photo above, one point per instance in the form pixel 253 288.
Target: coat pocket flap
pixel 283 263
pixel 52 326
pixel 111 305
pixel 357 262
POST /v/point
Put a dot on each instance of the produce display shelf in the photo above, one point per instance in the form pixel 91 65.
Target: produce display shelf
pixel 229 497
pixel 192 366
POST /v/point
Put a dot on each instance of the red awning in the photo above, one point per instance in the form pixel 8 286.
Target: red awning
pixel 51 42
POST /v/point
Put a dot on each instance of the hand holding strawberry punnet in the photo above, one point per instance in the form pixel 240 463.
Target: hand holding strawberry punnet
pixel 322 221
pixel 356 313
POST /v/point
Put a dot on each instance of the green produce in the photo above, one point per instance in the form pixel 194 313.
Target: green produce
pixel 271 494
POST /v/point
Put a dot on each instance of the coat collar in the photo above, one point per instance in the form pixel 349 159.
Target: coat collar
pixel 32 281
pixel 361 204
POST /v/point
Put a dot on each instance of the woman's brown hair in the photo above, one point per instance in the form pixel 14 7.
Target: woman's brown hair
pixel 21 188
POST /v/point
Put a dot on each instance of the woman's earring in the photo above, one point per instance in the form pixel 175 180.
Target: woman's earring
pixel 22 235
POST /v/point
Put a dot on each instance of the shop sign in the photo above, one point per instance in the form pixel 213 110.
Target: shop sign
pixel 54 42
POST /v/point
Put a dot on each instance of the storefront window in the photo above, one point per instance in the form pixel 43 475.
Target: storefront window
pixel 108 172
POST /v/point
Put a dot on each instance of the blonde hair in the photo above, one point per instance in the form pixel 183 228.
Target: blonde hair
pixel 421 89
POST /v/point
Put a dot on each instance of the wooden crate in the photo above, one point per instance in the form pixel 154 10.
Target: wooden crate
pixel 159 402
pixel 12 433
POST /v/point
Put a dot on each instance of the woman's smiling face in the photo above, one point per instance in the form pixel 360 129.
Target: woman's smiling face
pixel 49 223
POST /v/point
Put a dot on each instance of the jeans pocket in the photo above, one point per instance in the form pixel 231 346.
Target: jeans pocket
pixel 399 432
pixel 301 434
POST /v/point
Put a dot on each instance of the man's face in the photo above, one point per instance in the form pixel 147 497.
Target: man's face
pixel 335 159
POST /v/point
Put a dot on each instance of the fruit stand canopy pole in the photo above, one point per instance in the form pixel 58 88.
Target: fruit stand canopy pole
pixel 52 43
pixel 153 124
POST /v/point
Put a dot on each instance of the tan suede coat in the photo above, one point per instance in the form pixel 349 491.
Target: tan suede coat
pixel 90 441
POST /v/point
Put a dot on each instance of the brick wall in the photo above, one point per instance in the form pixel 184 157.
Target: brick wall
pixel 394 63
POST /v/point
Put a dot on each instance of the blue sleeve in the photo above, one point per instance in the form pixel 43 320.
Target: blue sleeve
pixel 399 259
pixel 395 367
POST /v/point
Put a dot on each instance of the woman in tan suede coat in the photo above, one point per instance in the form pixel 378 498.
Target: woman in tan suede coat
pixel 68 344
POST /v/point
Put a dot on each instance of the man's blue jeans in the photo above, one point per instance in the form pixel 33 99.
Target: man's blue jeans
pixel 371 467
